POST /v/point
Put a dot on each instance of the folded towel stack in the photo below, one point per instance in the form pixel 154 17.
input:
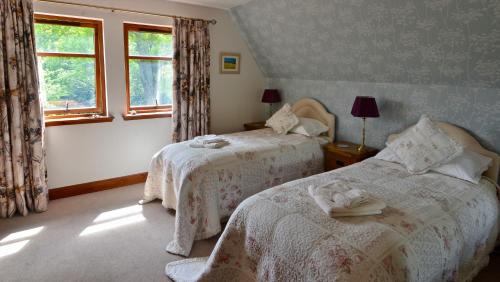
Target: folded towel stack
pixel 339 199
pixel 350 199
pixel 208 141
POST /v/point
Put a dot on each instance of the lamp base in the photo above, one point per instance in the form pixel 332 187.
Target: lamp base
pixel 270 110
pixel 362 146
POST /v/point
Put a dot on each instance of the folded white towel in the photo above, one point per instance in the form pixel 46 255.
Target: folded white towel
pixel 350 199
pixel 356 213
pixel 342 193
pixel 205 137
pixel 208 139
pixel 353 202
pixel 214 145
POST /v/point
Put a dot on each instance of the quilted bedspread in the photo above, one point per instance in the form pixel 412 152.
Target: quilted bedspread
pixel 205 185
pixel 435 228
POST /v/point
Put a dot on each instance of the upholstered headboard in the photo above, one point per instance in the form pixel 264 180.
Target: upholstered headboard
pixel 310 108
pixel 469 143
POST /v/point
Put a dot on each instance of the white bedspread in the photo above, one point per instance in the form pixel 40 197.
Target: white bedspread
pixel 435 228
pixel 205 185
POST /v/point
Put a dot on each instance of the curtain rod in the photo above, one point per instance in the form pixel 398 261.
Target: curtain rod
pixel 212 21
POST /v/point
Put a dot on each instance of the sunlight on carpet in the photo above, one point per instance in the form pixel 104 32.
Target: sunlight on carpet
pixel 114 219
pixel 9 248
pixel 21 234
pixel 113 214
pixel 12 248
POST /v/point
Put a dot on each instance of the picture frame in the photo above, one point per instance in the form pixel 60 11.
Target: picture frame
pixel 230 63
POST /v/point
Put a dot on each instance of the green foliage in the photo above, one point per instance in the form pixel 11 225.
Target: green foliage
pixel 142 43
pixel 150 80
pixel 68 79
pixel 64 39
pixel 72 80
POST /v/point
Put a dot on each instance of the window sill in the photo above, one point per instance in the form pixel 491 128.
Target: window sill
pixel 77 120
pixel 146 115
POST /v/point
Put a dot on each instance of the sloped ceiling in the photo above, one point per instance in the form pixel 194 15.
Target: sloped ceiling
pixel 448 42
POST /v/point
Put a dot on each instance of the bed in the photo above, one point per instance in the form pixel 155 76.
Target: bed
pixel 434 228
pixel 206 185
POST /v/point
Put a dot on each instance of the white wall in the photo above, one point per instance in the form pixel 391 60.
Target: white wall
pixel 90 152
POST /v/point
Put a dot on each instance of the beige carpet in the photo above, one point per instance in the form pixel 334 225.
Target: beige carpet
pixel 102 236
pixel 127 246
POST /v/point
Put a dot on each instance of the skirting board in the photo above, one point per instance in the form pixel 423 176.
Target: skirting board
pixel 96 186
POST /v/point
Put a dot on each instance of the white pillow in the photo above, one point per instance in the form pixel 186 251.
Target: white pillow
pixel 309 127
pixel 424 146
pixel 469 166
pixel 283 120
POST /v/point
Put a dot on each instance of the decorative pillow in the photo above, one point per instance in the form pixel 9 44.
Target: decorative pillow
pixel 309 127
pixel 283 120
pixel 469 166
pixel 424 146
pixel 388 155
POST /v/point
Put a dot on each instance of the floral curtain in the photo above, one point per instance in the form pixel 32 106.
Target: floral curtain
pixel 191 93
pixel 23 181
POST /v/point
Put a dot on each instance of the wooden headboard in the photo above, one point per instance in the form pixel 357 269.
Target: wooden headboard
pixel 310 108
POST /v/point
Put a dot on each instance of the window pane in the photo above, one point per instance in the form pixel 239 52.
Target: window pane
pixel 142 43
pixel 71 80
pixel 64 39
pixel 150 80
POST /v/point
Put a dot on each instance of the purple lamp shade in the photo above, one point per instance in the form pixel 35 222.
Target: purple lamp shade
pixel 365 106
pixel 271 96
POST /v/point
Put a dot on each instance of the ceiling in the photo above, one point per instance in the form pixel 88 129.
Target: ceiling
pixel 221 4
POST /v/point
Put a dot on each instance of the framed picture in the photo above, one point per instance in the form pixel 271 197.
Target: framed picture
pixel 230 63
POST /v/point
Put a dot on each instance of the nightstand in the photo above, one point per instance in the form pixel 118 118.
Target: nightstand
pixel 340 154
pixel 255 125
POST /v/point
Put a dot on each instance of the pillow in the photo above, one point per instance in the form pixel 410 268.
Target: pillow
pixel 424 146
pixel 309 127
pixel 469 166
pixel 388 155
pixel 283 120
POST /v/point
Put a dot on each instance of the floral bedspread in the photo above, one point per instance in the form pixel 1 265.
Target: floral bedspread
pixel 205 185
pixel 435 228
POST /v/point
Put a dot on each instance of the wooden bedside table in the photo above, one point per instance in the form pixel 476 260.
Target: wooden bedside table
pixel 340 154
pixel 255 125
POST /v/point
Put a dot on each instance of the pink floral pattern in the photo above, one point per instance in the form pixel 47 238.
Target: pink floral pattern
pixel 206 185
pixel 191 88
pixel 281 235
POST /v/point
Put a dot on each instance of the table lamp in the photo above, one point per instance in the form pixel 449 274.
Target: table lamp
pixel 271 96
pixel 364 107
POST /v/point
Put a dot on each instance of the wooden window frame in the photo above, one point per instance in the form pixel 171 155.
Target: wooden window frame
pixel 80 115
pixel 143 112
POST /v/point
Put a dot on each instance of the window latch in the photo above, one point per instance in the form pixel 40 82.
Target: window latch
pixel 67 106
pixel 156 102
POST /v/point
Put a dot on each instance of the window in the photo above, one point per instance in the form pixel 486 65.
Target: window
pixel 148 67
pixel 70 67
